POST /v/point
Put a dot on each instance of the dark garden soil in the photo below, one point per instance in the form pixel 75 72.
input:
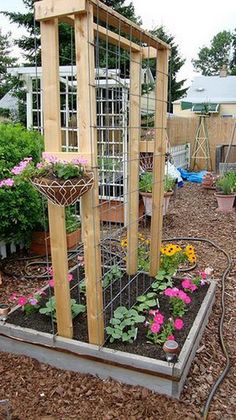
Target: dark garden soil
pixel 45 323
pixel 37 391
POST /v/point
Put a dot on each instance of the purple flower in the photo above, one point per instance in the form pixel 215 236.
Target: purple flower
pixel 33 301
pixel 9 182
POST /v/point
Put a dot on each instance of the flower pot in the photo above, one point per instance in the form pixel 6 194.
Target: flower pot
pixel 225 202
pixel 40 243
pixel 113 211
pixel 64 192
pixel 147 200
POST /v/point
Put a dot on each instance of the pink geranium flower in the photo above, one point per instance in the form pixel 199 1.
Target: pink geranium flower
pixel 171 292
pixel 70 277
pixel 171 337
pixel 155 328
pixel 13 297
pixel 22 300
pixel 51 282
pixel 159 318
pixel 153 312
pixel 178 324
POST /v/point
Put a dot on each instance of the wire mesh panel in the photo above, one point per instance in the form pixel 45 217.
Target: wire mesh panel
pixel 118 77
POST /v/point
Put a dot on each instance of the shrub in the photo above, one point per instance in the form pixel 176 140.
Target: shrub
pixel 16 143
pixel 20 204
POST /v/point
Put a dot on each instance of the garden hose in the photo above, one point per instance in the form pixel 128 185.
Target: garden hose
pixel 221 325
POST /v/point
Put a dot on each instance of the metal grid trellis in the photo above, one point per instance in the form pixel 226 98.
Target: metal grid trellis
pixel 104 37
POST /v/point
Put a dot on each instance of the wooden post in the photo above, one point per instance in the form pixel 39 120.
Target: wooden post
pixel 52 135
pixel 133 162
pixel 159 159
pixel 86 121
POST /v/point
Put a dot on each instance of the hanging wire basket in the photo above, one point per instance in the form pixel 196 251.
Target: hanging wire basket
pixel 64 192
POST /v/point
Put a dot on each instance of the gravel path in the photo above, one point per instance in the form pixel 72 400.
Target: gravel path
pixel 37 391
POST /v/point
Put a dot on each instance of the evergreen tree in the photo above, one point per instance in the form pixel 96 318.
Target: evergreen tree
pixel 175 88
pixel 211 59
pixel 5 61
pixel 30 43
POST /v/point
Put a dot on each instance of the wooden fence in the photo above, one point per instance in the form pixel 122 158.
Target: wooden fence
pixel 183 130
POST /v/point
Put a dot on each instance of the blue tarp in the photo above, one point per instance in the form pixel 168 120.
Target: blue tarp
pixel 192 176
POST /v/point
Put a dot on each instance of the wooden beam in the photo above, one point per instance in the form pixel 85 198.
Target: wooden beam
pixel 148 53
pixel 133 162
pixel 159 160
pixel 86 121
pixel 47 9
pixel 146 146
pixel 52 136
pixel 107 14
pixel 115 39
pixel 112 37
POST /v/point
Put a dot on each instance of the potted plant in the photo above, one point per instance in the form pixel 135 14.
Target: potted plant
pixel 61 182
pixel 226 191
pixel 40 239
pixel 145 188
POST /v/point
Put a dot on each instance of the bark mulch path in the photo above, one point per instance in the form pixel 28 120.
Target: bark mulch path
pixel 37 391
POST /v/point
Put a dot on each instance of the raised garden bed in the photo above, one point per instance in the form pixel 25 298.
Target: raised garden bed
pixel 150 372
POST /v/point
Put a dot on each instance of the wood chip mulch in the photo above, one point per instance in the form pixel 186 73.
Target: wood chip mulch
pixel 37 391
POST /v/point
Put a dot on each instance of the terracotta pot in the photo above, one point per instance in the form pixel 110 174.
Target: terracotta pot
pixel 225 202
pixel 113 211
pixel 40 243
pixel 147 199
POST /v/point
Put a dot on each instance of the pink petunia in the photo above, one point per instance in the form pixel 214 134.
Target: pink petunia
pixel 155 328
pixel 13 297
pixel 70 277
pixel 171 337
pixel 171 292
pixel 203 275
pixel 178 324
pixel 51 282
pixel 22 300
pixel 153 312
pixel 186 283
pixel 159 318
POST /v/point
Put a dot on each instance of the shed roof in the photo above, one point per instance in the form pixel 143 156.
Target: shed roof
pixel 216 89
pixel 9 101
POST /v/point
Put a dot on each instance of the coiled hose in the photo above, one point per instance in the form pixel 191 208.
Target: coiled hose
pixel 221 325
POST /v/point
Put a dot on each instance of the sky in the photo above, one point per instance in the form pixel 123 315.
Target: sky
pixel 192 23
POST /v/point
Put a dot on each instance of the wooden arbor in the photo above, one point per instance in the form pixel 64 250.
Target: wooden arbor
pixel 92 18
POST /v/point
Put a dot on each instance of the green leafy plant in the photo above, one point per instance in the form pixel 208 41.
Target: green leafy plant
pixel 146 182
pixel 163 280
pixel 146 302
pixel 50 308
pixel 113 274
pixel 123 326
pixel 227 183
pixel 19 202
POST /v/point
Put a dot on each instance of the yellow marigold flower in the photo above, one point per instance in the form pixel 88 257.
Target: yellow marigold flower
pixel 189 248
pixel 192 258
pixel 124 243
